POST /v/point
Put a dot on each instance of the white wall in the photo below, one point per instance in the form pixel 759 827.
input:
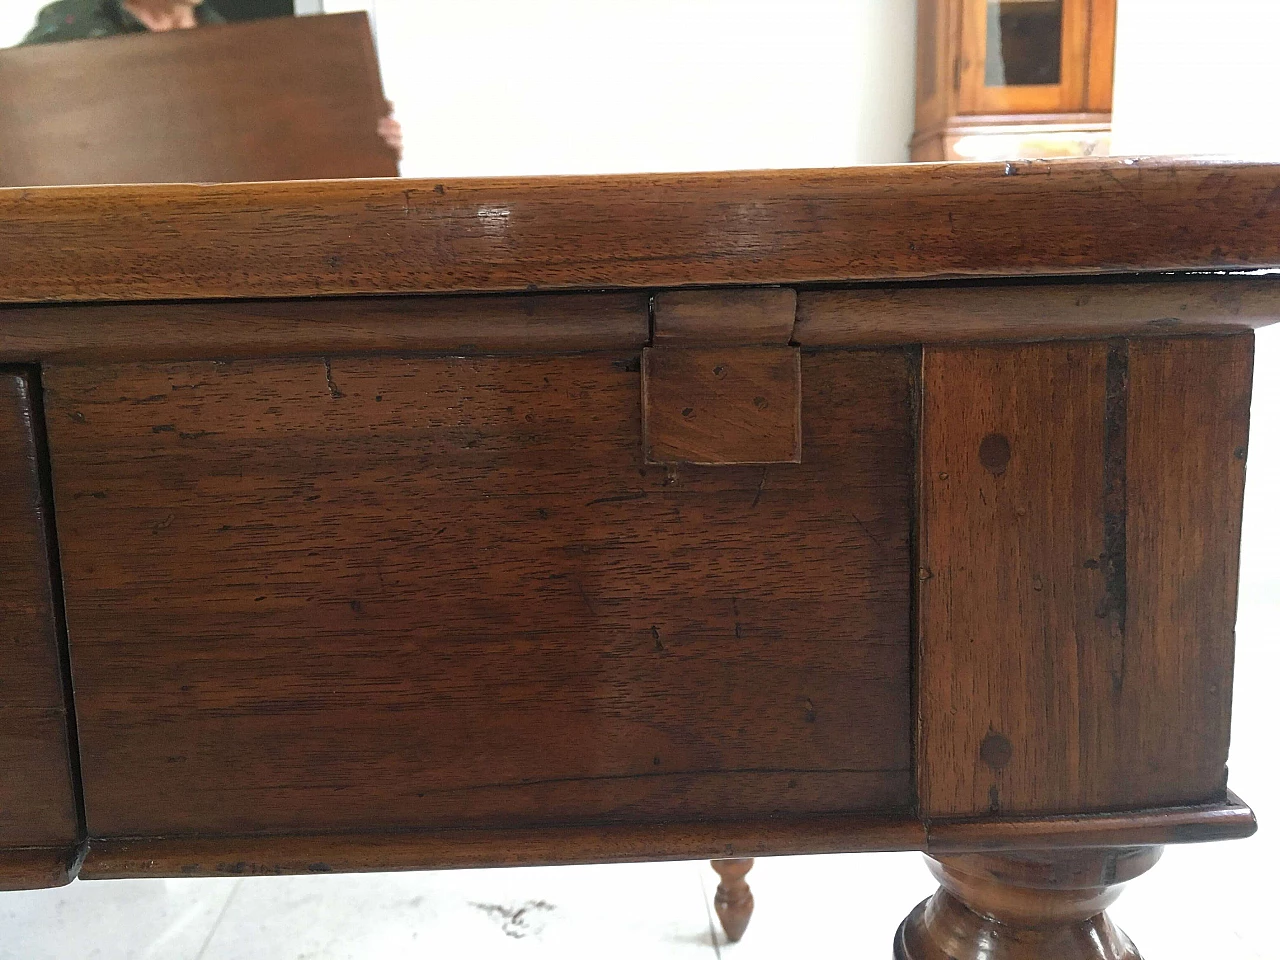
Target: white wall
pixel 1196 77
pixel 495 87
pixel 17 17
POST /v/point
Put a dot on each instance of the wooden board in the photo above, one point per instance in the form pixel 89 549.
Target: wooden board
pixel 721 405
pixel 449 849
pixel 539 323
pixel 1079 538
pixel 1227 819
pixel 37 797
pixel 38 868
pixel 651 231
pixel 982 313
pixel 549 323
pixel 752 316
pixel 1187 443
pixel 281 99
pixel 355 594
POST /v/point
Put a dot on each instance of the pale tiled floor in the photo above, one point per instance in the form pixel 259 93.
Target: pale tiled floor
pixel 1200 901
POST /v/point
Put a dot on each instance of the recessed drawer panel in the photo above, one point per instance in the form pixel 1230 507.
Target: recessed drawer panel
pixel 376 593
pixel 37 802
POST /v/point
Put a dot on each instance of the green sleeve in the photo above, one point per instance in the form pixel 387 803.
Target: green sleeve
pixel 67 20
pixel 46 28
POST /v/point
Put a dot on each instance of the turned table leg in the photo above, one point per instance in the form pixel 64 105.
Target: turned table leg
pixel 1045 905
pixel 734 901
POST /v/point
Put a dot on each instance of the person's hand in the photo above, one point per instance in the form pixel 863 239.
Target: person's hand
pixel 390 131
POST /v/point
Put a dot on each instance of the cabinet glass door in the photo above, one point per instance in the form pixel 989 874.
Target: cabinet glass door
pixel 1025 56
pixel 1024 43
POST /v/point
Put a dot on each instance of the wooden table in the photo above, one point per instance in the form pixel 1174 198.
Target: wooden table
pixel 378 525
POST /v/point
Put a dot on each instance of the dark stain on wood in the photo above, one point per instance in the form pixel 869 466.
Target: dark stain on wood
pixel 994 452
pixel 1115 504
pixel 996 751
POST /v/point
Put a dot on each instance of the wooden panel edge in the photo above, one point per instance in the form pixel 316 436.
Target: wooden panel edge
pixel 39 868
pixel 1227 819
pixel 241 330
pixel 450 849
pixel 742 316
pixel 958 313
pixel 40 793
pixel 925 221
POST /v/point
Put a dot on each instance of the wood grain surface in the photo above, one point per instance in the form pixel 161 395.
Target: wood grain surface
pixel 355 594
pixel 734 902
pixel 611 843
pixel 1227 819
pixel 37 798
pixel 955 313
pixel 1091 216
pixel 277 99
pixel 234 330
pixel 449 849
pixel 1025 905
pixel 39 868
pixel 1188 435
pixel 721 405
pixel 1079 538
pixel 750 316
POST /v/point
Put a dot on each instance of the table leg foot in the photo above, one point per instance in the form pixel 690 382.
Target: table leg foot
pixel 1044 905
pixel 734 901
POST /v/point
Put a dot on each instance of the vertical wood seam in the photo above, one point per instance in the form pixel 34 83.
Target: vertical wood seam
pixel 918 530
pixel 53 563
pixel 1115 500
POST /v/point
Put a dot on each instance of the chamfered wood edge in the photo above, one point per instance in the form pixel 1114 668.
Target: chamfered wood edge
pixel 1229 818
pixel 498 848
pixel 38 868
pixel 251 329
pixel 310 238
pixel 734 316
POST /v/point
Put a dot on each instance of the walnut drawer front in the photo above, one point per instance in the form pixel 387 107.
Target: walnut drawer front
pixel 37 799
pixel 366 593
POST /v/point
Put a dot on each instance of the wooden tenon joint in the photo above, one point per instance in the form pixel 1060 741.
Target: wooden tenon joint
pixel 721 380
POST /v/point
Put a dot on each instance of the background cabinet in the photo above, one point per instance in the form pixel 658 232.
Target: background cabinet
pixel 1005 79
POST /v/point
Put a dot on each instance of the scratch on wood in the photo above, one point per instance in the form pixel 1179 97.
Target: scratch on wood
pixel 880 547
pixel 582 592
pixel 764 475
pixel 620 498
pixel 328 379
